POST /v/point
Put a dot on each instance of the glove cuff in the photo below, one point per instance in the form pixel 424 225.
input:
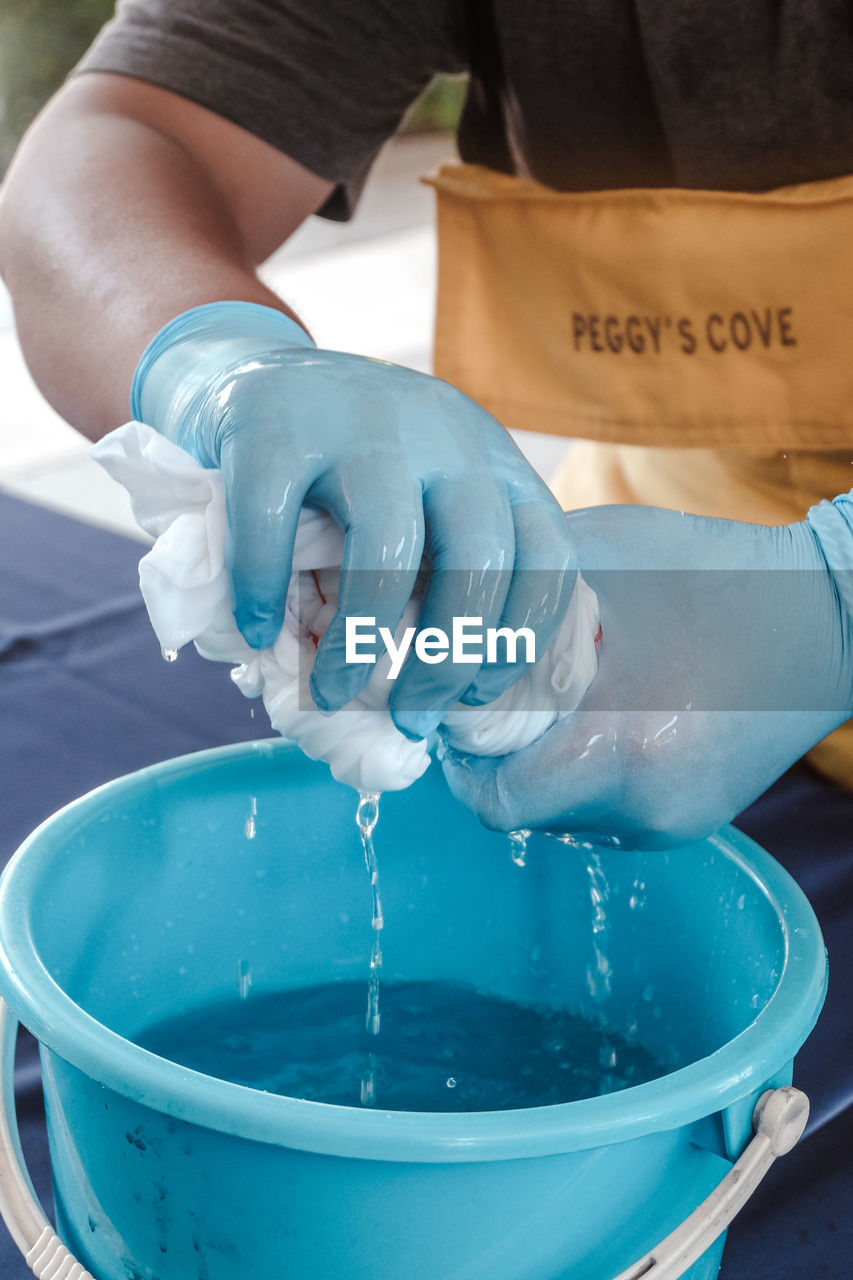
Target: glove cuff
pixel 196 346
pixel 832 525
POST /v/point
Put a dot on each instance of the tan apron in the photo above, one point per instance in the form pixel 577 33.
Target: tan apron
pixel 695 344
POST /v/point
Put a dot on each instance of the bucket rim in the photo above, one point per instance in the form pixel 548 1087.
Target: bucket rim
pixel 736 1070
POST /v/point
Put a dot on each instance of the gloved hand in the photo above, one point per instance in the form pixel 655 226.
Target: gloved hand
pixel 726 654
pixel 407 466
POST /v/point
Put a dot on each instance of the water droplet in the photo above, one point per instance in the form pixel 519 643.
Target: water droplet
pixel 244 978
pixel 249 827
pixel 367 813
pixel 518 846
pixel 170 655
pixel 451 1083
pixel 608 1058
pixel 563 837
pixel 368 1088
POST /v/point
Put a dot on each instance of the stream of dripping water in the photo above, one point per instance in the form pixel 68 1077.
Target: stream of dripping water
pixel 367 815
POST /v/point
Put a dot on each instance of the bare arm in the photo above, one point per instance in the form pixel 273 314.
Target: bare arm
pixel 126 205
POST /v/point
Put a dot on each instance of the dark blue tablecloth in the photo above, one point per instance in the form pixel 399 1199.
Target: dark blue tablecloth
pixel 85 697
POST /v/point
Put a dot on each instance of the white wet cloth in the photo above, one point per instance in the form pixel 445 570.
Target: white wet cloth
pixel 185 587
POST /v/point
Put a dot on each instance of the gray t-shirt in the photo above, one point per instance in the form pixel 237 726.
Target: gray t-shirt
pixel 581 94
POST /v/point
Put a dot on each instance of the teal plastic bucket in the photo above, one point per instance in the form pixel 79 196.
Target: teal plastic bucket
pixel 146 898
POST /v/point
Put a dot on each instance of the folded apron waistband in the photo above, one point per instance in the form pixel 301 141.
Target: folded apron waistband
pixel 659 317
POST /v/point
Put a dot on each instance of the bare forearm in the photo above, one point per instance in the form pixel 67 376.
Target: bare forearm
pixel 108 228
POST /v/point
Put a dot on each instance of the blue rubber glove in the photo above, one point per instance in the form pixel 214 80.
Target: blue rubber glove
pixel 726 653
pixel 406 464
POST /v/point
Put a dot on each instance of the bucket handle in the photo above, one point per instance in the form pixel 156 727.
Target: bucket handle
pixel 778 1121
pixel 44 1252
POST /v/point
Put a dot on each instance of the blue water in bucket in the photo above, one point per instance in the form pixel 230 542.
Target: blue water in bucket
pixel 444 1046
pixel 146 898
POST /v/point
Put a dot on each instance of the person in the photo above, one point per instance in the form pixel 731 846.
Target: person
pixel 193 140
pixel 645 248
